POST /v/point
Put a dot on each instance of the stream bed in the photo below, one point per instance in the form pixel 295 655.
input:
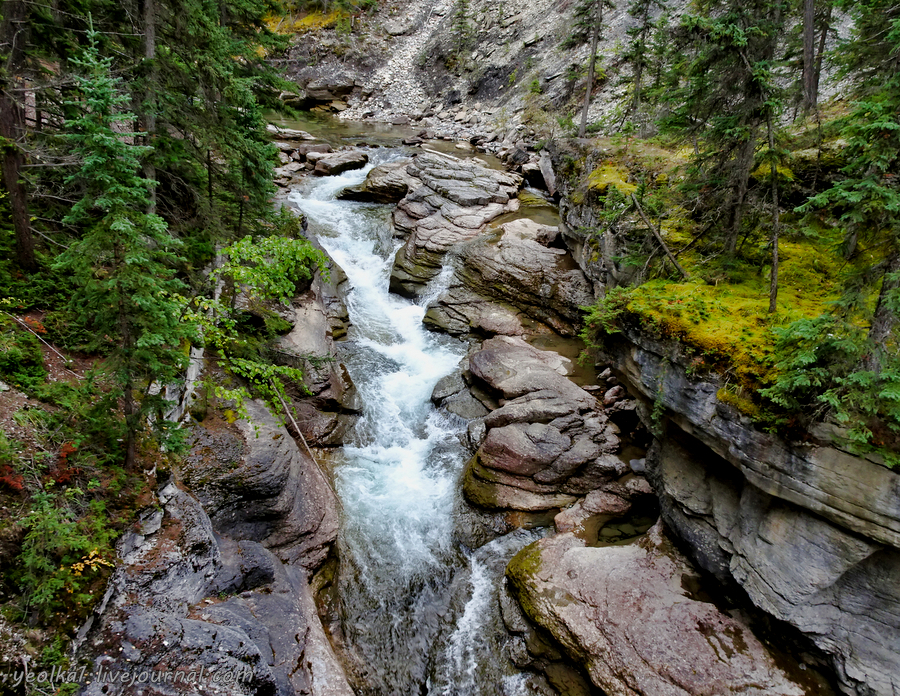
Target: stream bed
pixel 419 608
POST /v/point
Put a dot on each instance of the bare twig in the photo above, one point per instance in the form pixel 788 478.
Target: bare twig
pixel 659 239
pixel 38 336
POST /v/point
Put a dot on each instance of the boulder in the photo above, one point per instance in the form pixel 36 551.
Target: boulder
pixel 547 443
pixel 338 162
pixel 625 614
pixel 519 273
pixel 386 183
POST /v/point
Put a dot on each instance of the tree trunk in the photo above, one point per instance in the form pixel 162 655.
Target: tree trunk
pixel 12 126
pixel 820 54
pixel 809 47
pixel 773 284
pixel 595 37
pixel 742 181
pixel 149 107
pixel 884 318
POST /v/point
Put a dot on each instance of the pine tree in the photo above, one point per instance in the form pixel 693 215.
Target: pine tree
pixel 122 264
pixel 639 44
pixel 588 25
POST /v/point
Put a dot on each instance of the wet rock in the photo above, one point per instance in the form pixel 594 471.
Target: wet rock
pixel 623 613
pixel 452 202
pixel 515 276
pixel 549 441
pixel 338 162
pixel 303 150
pixel 386 183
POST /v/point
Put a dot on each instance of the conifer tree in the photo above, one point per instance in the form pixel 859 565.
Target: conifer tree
pixel 721 102
pixel 122 263
pixel 867 199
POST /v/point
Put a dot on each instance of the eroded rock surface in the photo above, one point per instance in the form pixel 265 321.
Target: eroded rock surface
pixel 546 442
pixel 256 484
pixel 186 601
pixel 505 282
pixel 328 406
pixel 452 202
pixel 386 183
pixel 624 613
pixel 810 532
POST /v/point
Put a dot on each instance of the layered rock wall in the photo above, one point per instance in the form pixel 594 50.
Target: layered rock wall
pixel 809 531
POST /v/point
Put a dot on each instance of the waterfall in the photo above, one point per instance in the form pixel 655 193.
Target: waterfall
pixel 419 612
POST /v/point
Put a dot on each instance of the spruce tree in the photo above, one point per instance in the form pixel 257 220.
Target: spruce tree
pixel 122 263
pixel 721 102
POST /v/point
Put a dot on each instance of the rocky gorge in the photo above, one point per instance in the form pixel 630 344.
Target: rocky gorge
pixel 683 550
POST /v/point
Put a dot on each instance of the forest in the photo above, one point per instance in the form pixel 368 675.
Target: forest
pixel 137 178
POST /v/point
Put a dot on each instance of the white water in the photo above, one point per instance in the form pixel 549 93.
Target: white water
pixel 419 614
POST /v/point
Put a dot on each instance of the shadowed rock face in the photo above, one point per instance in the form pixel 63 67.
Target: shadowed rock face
pixel 173 604
pixel 501 283
pixel 450 201
pixel 809 531
pixel 256 484
pixel 624 613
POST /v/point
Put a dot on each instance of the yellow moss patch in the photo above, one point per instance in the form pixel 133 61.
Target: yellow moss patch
pixel 314 21
pixel 764 171
pixel 727 325
pixel 318 20
pixel 608 175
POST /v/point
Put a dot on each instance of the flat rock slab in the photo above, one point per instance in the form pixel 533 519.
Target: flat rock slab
pixel 623 613
pixel 339 162
pixel 288 133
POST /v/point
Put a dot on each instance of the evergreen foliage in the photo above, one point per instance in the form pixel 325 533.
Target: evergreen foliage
pixel 122 264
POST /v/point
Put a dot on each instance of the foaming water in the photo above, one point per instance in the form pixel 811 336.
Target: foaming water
pixel 419 614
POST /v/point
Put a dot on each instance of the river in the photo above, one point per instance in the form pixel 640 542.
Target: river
pixel 420 613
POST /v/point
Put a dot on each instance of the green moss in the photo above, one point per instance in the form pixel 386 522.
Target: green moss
pixel 608 175
pixel 741 402
pixel 525 564
pixel 476 491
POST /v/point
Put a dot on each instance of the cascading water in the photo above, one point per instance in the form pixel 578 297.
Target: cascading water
pixel 419 612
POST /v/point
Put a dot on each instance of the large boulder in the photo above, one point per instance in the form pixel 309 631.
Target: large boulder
pixel 627 614
pixel 504 281
pixel 338 162
pixel 386 183
pixel 451 201
pixel 547 441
